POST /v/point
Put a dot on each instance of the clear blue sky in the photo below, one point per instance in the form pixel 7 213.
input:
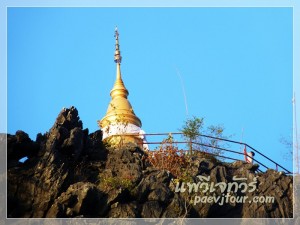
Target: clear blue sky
pixel 236 65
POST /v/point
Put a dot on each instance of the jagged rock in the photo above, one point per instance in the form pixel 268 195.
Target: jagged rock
pixel 125 164
pixel 151 209
pixel 80 199
pixel 243 169
pixel 219 174
pixel 201 165
pixel 68 118
pixel 53 169
pixel 36 185
pixel 161 193
pixel 70 173
pixel 272 184
pixel 124 210
pixel 75 143
pixel 237 164
pixel 176 209
pixel 95 148
pixel 153 180
pixel 20 195
pixel 19 146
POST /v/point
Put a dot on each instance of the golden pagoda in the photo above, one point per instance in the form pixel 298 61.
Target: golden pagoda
pixel 120 125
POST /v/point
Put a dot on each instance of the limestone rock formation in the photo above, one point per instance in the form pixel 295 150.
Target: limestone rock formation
pixel 71 173
pixel 80 199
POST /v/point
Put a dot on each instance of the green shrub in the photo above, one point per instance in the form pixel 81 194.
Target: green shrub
pixel 109 183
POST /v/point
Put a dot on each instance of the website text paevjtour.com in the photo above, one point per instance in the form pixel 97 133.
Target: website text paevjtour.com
pixel 227 198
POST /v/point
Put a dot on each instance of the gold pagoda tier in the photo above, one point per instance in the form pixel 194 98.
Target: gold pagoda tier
pixel 120 115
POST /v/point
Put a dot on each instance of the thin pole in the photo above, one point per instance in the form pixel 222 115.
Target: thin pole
pixel 183 90
pixel 296 134
pixel 242 138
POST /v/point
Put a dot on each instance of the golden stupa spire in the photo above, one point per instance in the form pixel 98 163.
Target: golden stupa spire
pixel 119 88
pixel 119 109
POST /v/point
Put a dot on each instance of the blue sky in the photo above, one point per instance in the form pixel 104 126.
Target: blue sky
pixel 236 65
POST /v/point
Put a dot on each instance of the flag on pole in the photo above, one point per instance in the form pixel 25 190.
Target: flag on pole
pixel 245 154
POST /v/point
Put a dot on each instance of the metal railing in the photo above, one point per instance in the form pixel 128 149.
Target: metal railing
pixel 232 153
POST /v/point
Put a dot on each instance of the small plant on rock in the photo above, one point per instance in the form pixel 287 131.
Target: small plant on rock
pixel 168 157
pixel 110 183
pixel 193 129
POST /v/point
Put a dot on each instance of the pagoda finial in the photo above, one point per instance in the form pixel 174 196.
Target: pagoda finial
pixel 118 57
pixel 119 88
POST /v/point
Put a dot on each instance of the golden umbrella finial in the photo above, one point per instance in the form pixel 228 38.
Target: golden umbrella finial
pixel 118 57
pixel 119 88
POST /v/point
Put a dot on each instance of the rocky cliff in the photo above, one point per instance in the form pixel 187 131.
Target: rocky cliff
pixel 70 173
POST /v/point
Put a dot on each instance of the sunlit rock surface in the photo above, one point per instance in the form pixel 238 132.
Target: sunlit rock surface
pixel 70 173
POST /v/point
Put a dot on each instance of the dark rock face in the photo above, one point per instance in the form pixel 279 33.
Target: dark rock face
pixel 70 173
pixel 119 210
pixel 125 162
pixel 50 170
pixel 19 146
pixel 153 187
pixel 80 199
